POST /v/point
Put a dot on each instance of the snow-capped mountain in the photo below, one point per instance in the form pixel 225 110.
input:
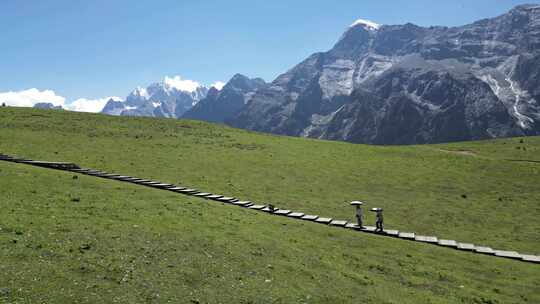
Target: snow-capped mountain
pixel 404 84
pixel 170 98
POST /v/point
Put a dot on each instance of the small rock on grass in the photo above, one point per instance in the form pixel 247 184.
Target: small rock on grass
pixel 84 247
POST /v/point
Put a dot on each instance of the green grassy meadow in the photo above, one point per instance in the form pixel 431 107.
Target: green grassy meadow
pixel 88 240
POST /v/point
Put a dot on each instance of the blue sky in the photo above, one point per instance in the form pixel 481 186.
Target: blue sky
pixel 98 48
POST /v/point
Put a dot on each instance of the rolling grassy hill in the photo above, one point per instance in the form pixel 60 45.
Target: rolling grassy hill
pixel 91 240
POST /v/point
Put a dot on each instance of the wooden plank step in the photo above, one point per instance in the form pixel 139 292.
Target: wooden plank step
pixel 203 194
pixel 256 207
pixel 309 217
pixel 282 212
pixel 177 189
pixel 406 235
pixel 163 185
pixel 352 226
pixel 530 258
pixel 368 229
pixel 339 223
pixel 465 246
pixel 323 220
pixel 243 203
pixel 188 191
pixel 484 250
pixel 79 170
pixel 391 232
pixel 152 183
pixel 101 174
pixel 96 172
pixel 142 181
pixel 508 254
pixel 214 196
pixel 131 179
pixel 426 239
pixel 447 243
pixel 226 199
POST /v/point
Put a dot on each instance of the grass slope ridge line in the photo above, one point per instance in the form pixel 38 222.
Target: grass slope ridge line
pixel 67 166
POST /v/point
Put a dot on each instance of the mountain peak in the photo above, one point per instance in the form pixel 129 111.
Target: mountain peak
pixel 366 23
pixel 356 38
pixel 117 99
pixel 407 84
pixel 239 76
pixel 527 7
pixel 47 106
pixel 244 83
pixel 221 105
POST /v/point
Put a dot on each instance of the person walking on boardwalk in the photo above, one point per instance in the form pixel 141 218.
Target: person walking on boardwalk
pixel 359 212
pixel 379 223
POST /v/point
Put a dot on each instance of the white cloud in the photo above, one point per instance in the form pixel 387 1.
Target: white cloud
pixel 28 98
pixel 89 105
pixel 181 84
pixel 218 85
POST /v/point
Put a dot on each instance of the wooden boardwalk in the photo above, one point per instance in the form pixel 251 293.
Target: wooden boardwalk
pixel 184 190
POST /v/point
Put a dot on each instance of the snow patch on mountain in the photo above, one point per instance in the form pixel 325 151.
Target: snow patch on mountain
pixel 367 23
pixel 511 94
pixel 218 85
pixel 523 120
pixel 141 92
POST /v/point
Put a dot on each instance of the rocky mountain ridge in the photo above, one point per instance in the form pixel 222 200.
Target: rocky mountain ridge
pixel 406 84
pixel 221 105
pixel 47 106
pixel 157 100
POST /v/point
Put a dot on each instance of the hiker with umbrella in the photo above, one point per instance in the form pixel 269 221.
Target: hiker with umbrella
pixel 379 219
pixel 359 212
